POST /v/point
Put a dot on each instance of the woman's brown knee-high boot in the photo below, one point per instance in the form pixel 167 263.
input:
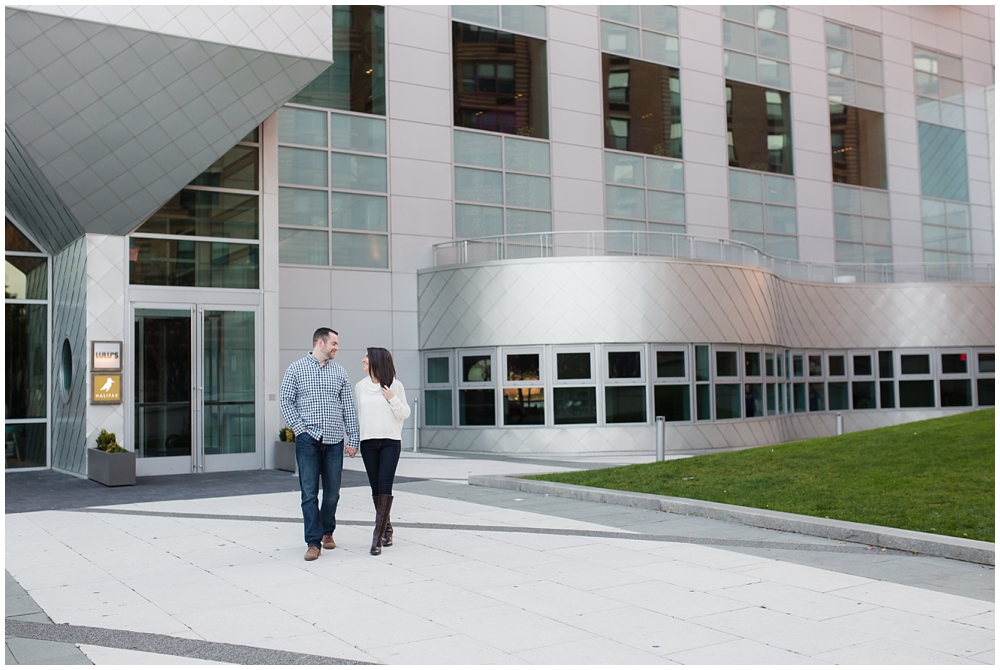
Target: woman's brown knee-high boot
pixel 382 506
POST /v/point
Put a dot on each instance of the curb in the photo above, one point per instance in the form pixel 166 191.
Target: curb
pixel 972 551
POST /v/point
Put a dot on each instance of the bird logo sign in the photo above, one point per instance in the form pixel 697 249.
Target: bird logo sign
pixel 106 388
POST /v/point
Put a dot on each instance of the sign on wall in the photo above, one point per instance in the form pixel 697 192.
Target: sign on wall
pixel 105 356
pixel 105 388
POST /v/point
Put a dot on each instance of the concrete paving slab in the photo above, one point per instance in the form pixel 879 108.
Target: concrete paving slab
pixel 106 656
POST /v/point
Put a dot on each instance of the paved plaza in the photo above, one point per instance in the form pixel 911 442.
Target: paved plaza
pixel 476 576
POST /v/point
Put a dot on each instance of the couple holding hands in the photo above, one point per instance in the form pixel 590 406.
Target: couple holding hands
pixel 329 420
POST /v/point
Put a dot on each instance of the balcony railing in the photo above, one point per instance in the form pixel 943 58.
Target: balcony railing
pixel 569 244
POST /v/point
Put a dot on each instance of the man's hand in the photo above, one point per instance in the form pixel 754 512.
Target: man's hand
pixel 351 451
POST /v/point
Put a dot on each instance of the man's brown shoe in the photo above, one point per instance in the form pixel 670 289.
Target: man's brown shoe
pixel 328 542
pixel 312 553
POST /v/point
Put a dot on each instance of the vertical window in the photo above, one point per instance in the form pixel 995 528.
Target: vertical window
pixel 985 371
pixel 647 31
pixel 729 397
pixel 500 81
pixel 332 207
pixel 221 202
pixel 703 375
pixel 476 389
pixel 502 187
pixel 762 212
pixel 758 128
pixel 437 389
pixel 624 385
pixel 916 379
pixel 854 67
pixel 523 388
pixel 671 384
pixel 955 383
pixel 753 388
pixel 837 390
pixel 862 231
pixel 938 79
pixel 356 80
pixel 947 238
pixel 574 388
pixel 756 44
pixel 857 143
pixel 861 366
pixel 642 106
pixel 643 194
pixel 26 293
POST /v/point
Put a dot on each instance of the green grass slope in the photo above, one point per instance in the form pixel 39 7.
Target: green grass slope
pixel 935 476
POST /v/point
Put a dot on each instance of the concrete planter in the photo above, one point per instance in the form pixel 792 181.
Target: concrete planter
pixel 284 456
pixel 111 469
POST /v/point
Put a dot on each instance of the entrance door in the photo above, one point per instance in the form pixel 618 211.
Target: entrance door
pixel 196 389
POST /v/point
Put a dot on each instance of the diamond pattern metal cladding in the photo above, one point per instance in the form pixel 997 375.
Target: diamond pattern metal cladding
pixel 69 322
pixel 628 300
pixel 118 119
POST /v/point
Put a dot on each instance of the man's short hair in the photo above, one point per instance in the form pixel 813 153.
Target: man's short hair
pixel 323 334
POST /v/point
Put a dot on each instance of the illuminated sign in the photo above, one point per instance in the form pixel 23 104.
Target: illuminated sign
pixel 105 389
pixel 105 356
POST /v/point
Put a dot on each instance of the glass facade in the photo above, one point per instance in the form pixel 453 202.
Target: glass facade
pixel 756 44
pixel 762 212
pixel 642 106
pixel 862 229
pixel 758 128
pixel 643 193
pixel 647 31
pixel 857 144
pixel 854 67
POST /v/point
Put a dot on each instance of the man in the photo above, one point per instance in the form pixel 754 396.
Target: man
pixel 318 406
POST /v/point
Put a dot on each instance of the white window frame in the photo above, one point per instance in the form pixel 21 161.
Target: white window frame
pixel 492 384
pixel 872 355
pixel 554 377
pixel 554 382
pixel 898 362
pixel 688 364
pixel 822 362
pixel 790 367
pixel 715 364
pixel 449 354
pixel 623 348
pixel 969 359
pixel 847 365
pixel 977 375
pixel 743 365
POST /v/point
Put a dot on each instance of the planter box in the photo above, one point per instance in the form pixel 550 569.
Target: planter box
pixel 111 469
pixel 284 456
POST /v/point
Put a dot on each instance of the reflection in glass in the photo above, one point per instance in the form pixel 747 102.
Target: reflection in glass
pixel 752 364
pixel 943 171
pixel 986 363
pixel 362 173
pixel 302 126
pixel 303 247
pixel 573 365
pixel 158 262
pixel 25 445
pixel 26 278
pixel 953 364
pixel 26 360
pixel 476 368
pixel 624 365
pixel 237 168
pixel 476 407
pixel 753 400
pixel 642 107
pixel 356 80
pixel 672 402
pixel 522 367
pixel 163 383
pixel 302 166
pixel 915 364
pixel 759 125
pixel 500 81
pixel 625 404
pixel 857 139
pixel 438 408
pixel 799 397
pixel 301 207
pixel 359 250
pixel 229 376
pixel 207 214
pixel 574 405
pixel 16 241
pixel 357 133
pixel 358 212
pixel 524 407
pixel 817 401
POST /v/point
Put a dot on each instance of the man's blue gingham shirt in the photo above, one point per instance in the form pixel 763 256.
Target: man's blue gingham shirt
pixel 317 399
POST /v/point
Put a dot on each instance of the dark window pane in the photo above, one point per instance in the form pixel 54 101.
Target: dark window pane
pixel 728 401
pixel 624 365
pixel 625 404
pixel 25 445
pixel 703 398
pixel 956 392
pixel 815 366
pixel 885 370
pixel 574 405
pixel 26 278
pixel 914 364
pixel 236 169
pixel 954 364
pixel 524 407
pixel 752 367
pixel 25 367
pixel 863 395
pixel 837 392
pixel 155 262
pixel 817 401
pixel 670 364
pixel 356 80
pixel 797 370
pixel 206 214
pixel 862 366
pixel 476 368
pixel 916 394
pixel 522 367
pixel 501 81
pixel 943 171
pixel 753 400
pixel 759 121
pixel 986 363
pixel 857 139
pixel 476 407
pixel 986 391
pixel 642 107
pixel 673 403
pixel 701 371
pixel 438 408
pixel 573 366
pixel 437 371
pixel 837 368
pixel 725 364
pixel 887 394
pixel 769 365
pixel 16 241
pixel 163 383
pixel 771 404
pixel 799 397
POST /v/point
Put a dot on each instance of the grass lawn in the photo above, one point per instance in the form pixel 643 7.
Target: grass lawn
pixel 935 476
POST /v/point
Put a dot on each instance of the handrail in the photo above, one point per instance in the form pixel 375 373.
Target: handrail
pixel 642 244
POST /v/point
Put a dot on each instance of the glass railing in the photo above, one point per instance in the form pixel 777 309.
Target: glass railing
pixel 568 244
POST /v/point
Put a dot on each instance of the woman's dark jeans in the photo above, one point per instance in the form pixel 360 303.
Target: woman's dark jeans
pixel 380 457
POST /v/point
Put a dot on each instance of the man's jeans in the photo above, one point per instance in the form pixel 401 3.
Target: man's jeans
pixel 316 460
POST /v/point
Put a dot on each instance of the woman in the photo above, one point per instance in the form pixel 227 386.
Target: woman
pixel 381 406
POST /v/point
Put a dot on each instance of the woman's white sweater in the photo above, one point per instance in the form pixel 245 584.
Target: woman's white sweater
pixel 377 417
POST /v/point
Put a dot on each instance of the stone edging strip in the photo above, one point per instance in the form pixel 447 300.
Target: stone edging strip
pixel 973 551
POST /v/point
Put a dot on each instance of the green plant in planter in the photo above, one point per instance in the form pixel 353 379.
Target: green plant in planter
pixel 286 435
pixel 108 442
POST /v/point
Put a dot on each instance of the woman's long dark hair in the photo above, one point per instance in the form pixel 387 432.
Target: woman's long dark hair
pixel 380 366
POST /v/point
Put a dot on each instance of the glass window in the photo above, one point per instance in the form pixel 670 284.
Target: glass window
pixel 437 407
pixel 728 401
pixel 627 202
pixel 526 18
pixel 16 241
pixel 624 365
pixel 670 364
pixel 838 395
pixel 488 14
pixel 701 363
pixel 477 368
pixel 571 405
pixel 526 156
pixel 837 367
pixel 815 366
pixel 797 369
pixel 664 174
pixel 302 126
pixel 524 406
pixel 943 172
pixel 703 401
pixel 956 392
pixel 479 185
pixel 623 169
pixel 753 400
pixel 799 397
pixel 26 364
pixel 817 402
pixel 573 365
pixel 27 278
pixel 358 250
pixel 986 392
pixel 208 214
pixel 356 80
pixel 862 365
pixel 887 395
pixel 914 364
pixel 357 133
pixel 986 362
pixel 759 126
pixel 619 39
pixel 725 364
pixel 522 367
pixel 477 407
pixel 857 138
pixel 179 262
pixel 500 81
pixel 362 173
pixel 660 17
pixel 769 364
pixel 885 365
pixel 438 370
pixel 916 393
pixel 303 247
pixel 237 169
pixel 952 364
pixel 625 404
pixel 525 191
pixel 522 221
pixel 476 221
pixel 360 212
pixel 478 149
pixel 751 364
pixel 642 107
pixel 301 207
pixel 302 166
pixel 672 402
pixel 863 395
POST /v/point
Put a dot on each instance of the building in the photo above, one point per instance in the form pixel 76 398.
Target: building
pixel 563 221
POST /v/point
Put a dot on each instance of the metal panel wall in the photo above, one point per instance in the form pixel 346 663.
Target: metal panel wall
pixel 69 322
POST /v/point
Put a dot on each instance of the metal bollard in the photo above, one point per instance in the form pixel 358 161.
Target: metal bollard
pixel 416 425
pixel 661 423
pixel 840 423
